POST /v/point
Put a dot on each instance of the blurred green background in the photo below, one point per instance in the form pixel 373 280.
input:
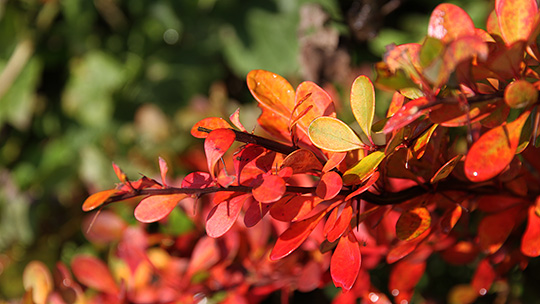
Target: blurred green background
pixel 85 83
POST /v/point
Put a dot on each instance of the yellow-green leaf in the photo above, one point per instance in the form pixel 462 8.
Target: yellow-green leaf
pixel 363 103
pixel 520 94
pixel 362 170
pixel 331 134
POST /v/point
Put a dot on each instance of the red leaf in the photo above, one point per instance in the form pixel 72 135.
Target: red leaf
pixel 255 212
pixel 235 119
pixel 342 223
pixel 530 242
pixel 97 199
pixel 310 278
pixel 329 185
pixel 215 146
pixel 104 227
pixel 345 262
pixel 449 22
pixel 289 208
pixel 450 218
pixel 197 180
pixel 93 273
pixel 461 253
pixel 204 255
pixel 294 236
pixel 372 180
pixel 395 104
pixel 403 278
pixel 497 203
pixel 401 250
pixel 271 190
pixel 483 277
pixel 156 207
pixel 412 223
pixel 494 229
pixel 224 215
pixel 517 19
pixel 407 114
pixel 210 123
pixel 494 150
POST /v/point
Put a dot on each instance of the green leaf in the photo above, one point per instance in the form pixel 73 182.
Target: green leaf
pixel 363 168
pixel 363 103
pixel 331 134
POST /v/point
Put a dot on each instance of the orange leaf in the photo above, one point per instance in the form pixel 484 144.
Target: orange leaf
pixel 163 169
pixel 448 22
pixel 224 215
pixel 288 209
pixel 294 236
pixel 407 114
pixel 450 218
pixel 210 123
pixel 412 223
pixel 93 273
pixel 97 199
pixel 215 146
pixel 494 150
pixel 345 262
pixel 271 190
pixel 37 279
pixel 530 242
pixel 329 185
pixel 421 143
pixel 446 169
pixel 319 100
pixel 276 99
pixel 517 19
pixel 334 160
pixel 235 119
pixel 156 207
pixel 520 94
pixel 494 229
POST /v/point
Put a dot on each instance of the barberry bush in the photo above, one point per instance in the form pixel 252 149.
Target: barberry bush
pixel 303 200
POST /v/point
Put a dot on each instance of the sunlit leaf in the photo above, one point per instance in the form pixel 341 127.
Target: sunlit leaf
pixel 92 272
pixel 412 223
pixel 331 134
pixel 520 94
pixel 448 22
pixel 494 229
pixel 345 262
pixel 276 98
pixel 215 146
pixel 494 150
pixel 319 100
pixel 363 103
pixel 446 169
pixel 235 119
pixel 342 223
pixel 334 160
pixel 302 161
pixel 37 279
pixel 363 169
pixel 163 169
pixel 209 123
pixel 224 215
pixel 403 279
pixel 294 236
pixel 530 242
pixel 97 199
pixel 329 185
pixel 271 190
pixel 289 208
pixel 156 207
pixel 395 104
pixel 483 277
pixel 516 19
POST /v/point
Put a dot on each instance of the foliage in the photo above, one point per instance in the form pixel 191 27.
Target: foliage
pixel 450 173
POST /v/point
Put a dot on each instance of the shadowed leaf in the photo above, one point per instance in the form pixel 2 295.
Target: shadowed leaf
pixel 403 278
pixel 407 114
pixel 446 169
pixel 198 180
pixel 450 218
pixel 483 277
pixel 271 189
pixel 329 185
pixel 412 223
pixel 530 242
pixel 224 215
pixel 343 222
pixel 494 229
pixel 302 161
